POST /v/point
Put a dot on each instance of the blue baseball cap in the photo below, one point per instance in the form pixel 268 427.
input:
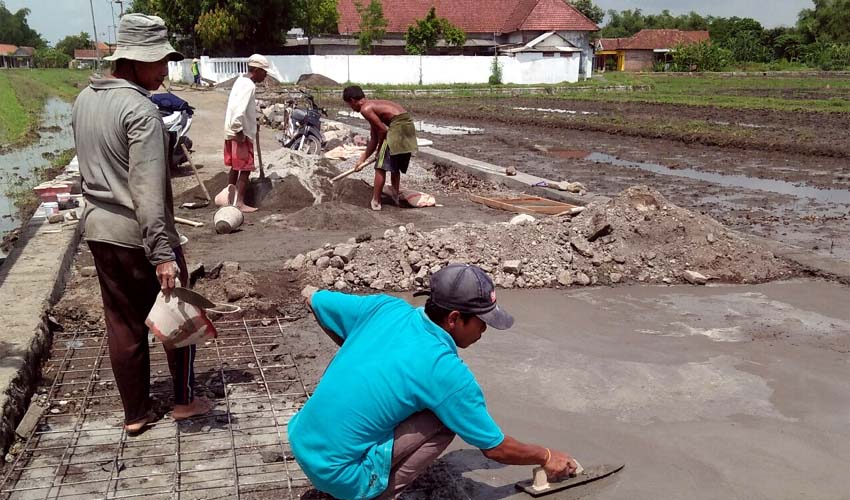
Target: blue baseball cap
pixel 468 289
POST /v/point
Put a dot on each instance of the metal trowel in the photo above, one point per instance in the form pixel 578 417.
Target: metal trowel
pixel 539 485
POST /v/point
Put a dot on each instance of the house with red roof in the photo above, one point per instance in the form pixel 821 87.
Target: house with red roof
pixel 12 56
pixel 530 28
pixel 643 50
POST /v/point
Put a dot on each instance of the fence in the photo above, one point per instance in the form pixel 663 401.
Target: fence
pixel 396 70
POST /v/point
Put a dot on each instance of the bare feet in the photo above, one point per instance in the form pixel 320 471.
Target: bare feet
pixel 245 208
pixel 137 428
pixel 376 205
pixel 198 406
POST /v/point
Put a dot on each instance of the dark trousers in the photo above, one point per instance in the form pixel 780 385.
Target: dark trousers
pixel 129 288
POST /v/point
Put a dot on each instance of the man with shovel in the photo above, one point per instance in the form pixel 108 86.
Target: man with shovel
pixel 396 393
pixel 393 135
pixel 240 129
pixel 129 216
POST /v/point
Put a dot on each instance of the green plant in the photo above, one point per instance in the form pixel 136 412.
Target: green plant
pixel 703 56
pixel 373 25
pixel 495 72
pixel 51 58
pixel 827 56
pixel 424 35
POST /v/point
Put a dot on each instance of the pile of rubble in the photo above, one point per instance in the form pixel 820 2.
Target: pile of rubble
pixel 635 237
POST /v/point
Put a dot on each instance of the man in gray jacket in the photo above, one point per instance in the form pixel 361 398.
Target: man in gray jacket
pixel 129 218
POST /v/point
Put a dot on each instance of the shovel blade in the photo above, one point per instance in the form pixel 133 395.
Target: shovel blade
pixel 589 475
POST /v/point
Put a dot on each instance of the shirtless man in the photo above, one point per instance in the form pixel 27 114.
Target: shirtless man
pixel 393 135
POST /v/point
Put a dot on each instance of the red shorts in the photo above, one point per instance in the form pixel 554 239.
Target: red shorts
pixel 239 155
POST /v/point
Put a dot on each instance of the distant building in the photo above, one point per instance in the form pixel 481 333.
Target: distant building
pixel 87 57
pixel 643 50
pixel 12 56
pixel 537 28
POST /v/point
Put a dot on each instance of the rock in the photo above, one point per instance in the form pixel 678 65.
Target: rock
pixel 564 278
pixel 341 285
pixel 414 258
pixel 405 268
pixel 235 291
pixel 378 284
pixel 582 279
pixel 88 271
pixel 520 282
pixel 337 262
pixel 581 246
pixel 512 266
pixel 196 272
pixel 215 272
pixel 333 143
pixel 345 252
pixel 510 171
pixel 328 277
pixel 598 227
pixel 55 218
pixel 323 262
pixel 695 278
pixel 615 277
pixel 230 267
pixel 572 187
pixel 314 255
pixel 297 262
pixel 522 219
pixel 650 256
pixel 509 281
pixel 619 259
pixel 389 233
pixel 363 237
pixel 710 238
pixel 270 457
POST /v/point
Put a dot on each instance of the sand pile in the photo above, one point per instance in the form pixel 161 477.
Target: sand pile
pixel 636 237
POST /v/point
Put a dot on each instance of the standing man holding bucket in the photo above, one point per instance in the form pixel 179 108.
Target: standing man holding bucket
pixel 240 130
pixel 393 135
pixel 129 217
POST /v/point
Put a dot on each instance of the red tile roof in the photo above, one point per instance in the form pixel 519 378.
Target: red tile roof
pixel 7 50
pixel 90 53
pixel 474 16
pixel 662 39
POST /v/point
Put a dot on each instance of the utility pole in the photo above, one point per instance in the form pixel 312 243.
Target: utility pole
pixel 121 3
pixel 96 41
pixel 114 22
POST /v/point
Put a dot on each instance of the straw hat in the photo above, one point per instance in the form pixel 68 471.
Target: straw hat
pixel 143 38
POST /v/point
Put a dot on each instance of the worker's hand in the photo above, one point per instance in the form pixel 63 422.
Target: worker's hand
pixel 308 291
pixel 240 137
pixel 166 274
pixel 560 466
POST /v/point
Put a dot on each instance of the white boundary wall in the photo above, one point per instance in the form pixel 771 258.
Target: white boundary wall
pixel 396 70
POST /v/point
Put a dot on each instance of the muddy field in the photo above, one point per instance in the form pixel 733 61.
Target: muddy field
pixel 781 175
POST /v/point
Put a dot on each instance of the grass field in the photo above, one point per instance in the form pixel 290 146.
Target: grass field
pixel 22 96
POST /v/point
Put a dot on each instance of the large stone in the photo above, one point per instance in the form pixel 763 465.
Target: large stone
pixel 414 258
pixel 230 267
pixel 298 262
pixel 314 255
pixel 337 262
pixel 522 219
pixel 323 262
pixel 235 291
pixel 582 279
pixel 598 227
pixel 512 267
pixel 88 271
pixel 581 246
pixel 565 278
pixel 342 285
pixel 363 237
pixel 328 277
pixel 615 277
pixel 405 268
pixel 695 278
pixel 345 252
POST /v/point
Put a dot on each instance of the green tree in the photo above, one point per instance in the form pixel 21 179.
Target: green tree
pixel 426 33
pixel 373 25
pixel 72 42
pixel 15 30
pixel 316 17
pixel 829 21
pixel 703 56
pixel 589 9
pixel 51 58
pixel 225 27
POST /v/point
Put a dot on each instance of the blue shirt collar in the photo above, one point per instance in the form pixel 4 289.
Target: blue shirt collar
pixel 437 331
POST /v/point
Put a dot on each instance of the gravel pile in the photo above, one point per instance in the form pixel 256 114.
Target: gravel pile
pixel 635 237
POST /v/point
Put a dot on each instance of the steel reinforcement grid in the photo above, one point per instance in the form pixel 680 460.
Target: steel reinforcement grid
pixel 79 449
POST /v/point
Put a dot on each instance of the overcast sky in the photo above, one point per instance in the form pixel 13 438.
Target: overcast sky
pixel 55 19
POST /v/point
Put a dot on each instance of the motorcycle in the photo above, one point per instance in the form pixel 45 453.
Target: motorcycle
pixel 303 129
pixel 177 117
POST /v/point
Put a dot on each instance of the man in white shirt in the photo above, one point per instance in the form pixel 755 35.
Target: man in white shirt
pixel 240 129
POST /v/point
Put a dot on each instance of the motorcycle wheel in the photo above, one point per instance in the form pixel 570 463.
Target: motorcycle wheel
pixel 310 146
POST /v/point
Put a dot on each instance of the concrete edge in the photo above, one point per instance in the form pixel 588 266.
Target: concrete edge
pixel 819 265
pixel 17 391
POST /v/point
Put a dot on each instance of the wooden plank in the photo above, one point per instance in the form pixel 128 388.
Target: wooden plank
pixel 533 205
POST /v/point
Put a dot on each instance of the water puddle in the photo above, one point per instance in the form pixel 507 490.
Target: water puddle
pixel 576 154
pixel 429 128
pixel 18 166
pixel 561 111
pixel 740 181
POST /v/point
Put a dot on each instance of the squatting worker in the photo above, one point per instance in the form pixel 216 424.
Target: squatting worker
pixel 396 392
pixel 129 217
pixel 392 131
pixel 240 130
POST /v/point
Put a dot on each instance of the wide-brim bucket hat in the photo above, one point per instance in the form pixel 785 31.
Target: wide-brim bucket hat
pixel 143 38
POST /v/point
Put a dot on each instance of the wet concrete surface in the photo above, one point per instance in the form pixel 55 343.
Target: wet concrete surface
pixel 704 392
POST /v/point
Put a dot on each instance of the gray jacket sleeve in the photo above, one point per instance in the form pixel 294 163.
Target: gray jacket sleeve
pixel 148 179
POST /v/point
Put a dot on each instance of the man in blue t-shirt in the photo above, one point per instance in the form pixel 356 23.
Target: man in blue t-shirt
pixel 396 393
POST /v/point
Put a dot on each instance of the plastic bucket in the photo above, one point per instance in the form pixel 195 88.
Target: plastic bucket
pixel 227 219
